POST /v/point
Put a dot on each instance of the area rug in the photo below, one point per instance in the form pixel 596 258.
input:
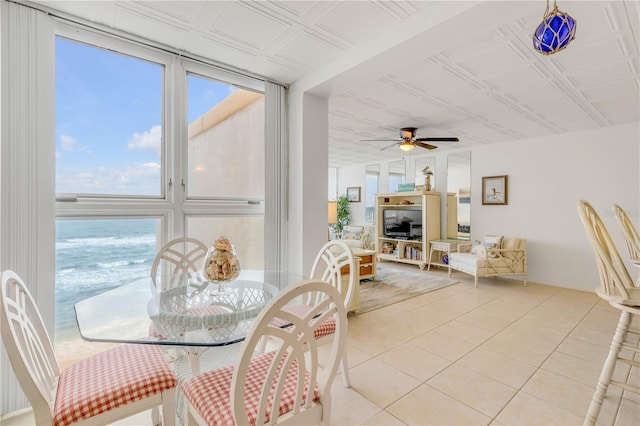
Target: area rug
pixel 394 284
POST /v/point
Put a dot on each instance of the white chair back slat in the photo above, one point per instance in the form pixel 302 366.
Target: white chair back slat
pixel 296 348
pixel 328 265
pixel 178 257
pixel 629 232
pixel 615 280
pixel 28 345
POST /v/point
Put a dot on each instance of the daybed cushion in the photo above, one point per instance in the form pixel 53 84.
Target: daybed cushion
pixel 475 261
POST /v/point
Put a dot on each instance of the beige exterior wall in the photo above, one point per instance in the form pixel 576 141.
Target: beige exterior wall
pixel 227 154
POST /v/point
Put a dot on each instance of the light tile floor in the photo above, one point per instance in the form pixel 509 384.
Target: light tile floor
pixel 499 354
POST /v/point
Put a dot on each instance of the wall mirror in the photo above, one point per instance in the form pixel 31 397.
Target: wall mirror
pixel 459 194
pixel 421 163
pixel 397 174
pixel 372 181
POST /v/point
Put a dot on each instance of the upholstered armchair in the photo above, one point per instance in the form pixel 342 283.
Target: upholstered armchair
pixel 492 257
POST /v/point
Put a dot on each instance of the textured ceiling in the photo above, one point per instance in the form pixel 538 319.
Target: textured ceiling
pixel 464 69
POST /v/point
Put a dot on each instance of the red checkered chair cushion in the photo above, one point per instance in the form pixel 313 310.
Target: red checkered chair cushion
pixel 327 328
pixel 110 379
pixel 209 393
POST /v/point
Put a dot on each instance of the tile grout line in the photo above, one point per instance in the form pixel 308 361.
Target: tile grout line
pixel 538 368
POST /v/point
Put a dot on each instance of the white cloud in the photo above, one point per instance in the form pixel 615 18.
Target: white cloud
pixel 68 143
pixel 58 155
pixel 138 179
pixel 149 139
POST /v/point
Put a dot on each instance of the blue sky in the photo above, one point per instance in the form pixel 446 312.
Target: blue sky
pixel 108 120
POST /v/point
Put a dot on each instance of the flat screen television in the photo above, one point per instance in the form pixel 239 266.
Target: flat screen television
pixel 402 223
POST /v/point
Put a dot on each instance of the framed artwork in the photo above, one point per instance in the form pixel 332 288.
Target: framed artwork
pixel 353 194
pixel 495 190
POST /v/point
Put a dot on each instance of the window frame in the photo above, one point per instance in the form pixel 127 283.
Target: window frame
pixel 173 206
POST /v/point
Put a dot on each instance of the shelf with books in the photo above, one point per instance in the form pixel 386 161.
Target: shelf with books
pixel 404 237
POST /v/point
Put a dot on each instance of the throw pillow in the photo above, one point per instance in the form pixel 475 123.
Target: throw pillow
pixel 490 242
pixel 477 248
pixel 351 232
pixel 350 236
pixel 491 254
pixel 495 239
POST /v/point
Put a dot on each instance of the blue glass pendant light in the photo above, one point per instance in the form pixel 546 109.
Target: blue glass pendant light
pixel 555 32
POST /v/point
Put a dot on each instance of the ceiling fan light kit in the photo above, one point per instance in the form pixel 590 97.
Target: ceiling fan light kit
pixel 555 32
pixel 408 140
pixel 406 145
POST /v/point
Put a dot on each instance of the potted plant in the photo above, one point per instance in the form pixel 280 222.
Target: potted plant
pixel 344 213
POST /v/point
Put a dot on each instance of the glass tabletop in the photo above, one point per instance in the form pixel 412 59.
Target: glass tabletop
pixel 193 313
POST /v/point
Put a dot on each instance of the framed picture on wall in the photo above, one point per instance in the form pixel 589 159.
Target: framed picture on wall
pixel 495 190
pixel 353 194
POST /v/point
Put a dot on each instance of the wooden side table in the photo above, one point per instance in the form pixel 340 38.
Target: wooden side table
pixel 446 246
pixel 366 264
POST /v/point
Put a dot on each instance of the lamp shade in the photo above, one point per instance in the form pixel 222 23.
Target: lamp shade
pixel 555 32
pixel 333 212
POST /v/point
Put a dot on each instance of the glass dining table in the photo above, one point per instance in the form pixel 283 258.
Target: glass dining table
pixel 191 313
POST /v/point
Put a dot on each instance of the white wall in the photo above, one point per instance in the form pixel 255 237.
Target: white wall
pixel 308 164
pixel 353 176
pixel 547 178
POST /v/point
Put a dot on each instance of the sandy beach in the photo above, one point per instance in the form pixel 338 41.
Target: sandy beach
pixel 71 351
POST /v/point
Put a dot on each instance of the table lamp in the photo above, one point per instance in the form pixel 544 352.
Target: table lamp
pixel 332 214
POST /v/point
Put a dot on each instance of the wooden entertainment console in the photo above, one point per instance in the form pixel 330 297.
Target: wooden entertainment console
pixel 413 248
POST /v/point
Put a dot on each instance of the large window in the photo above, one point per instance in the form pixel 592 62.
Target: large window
pixel 108 122
pixel 150 146
pixel 397 174
pixel 372 179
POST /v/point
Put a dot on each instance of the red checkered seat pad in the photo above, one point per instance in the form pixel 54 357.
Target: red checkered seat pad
pixel 210 393
pixel 327 327
pixel 110 379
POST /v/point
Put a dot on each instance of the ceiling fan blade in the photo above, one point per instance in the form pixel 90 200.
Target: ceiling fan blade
pixel 389 146
pixel 378 140
pixel 437 140
pixel 425 145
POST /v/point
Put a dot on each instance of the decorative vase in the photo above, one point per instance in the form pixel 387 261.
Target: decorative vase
pixel 221 262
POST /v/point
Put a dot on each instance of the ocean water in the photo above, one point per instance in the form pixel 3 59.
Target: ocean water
pixel 93 256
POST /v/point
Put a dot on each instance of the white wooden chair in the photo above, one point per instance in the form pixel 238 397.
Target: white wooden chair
pixel 330 265
pixel 331 261
pixel 629 232
pixel 288 377
pixel 178 258
pixel 101 389
pixel 616 287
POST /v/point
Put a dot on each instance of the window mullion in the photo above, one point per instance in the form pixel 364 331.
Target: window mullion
pixel 174 147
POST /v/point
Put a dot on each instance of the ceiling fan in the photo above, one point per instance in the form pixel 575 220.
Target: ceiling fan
pixel 408 140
